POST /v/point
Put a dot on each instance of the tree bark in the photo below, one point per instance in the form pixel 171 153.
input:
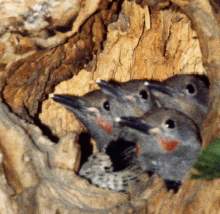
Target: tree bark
pixel 63 47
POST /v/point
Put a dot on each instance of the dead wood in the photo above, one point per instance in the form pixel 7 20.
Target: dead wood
pixel 63 48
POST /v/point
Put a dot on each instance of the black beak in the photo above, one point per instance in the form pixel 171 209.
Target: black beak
pixel 109 89
pixel 69 101
pixel 157 87
pixel 134 122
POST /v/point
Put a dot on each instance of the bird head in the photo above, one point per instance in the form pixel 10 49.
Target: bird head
pixel 130 98
pixel 91 109
pixel 186 93
pixel 165 130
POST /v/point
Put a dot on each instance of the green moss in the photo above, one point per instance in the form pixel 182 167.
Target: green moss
pixel 208 163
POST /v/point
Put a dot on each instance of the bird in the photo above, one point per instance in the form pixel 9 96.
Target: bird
pixel 168 142
pixel 188 93
pixel 93 110
pixel 131 95
pixel 97 110
pixel 99 171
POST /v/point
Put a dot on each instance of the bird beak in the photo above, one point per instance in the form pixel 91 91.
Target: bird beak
pixel 109 89
pixel 134 123
pixel 70 102
pixel 157 87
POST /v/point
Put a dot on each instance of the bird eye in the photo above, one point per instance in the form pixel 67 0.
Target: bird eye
pixel 143 94
pixel 190 89
pixel 106 105
pixel 170 124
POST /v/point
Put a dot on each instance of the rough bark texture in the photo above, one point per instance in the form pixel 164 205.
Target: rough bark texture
pixel 63 47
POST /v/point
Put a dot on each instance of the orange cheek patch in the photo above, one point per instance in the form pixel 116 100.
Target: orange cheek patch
pixel 169 145
pixel 102 123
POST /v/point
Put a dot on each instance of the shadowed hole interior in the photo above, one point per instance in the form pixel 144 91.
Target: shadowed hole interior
pixel 121 153
pixel 86 147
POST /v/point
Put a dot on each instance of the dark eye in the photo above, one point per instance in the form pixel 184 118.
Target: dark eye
pixel 106 105
pixel 170 124
pixel 143 94
pixel 190 89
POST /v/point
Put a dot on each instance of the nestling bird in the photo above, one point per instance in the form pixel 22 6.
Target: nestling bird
pixel 131 98
pixel 97 110
pixel 168 142
pixel 99 171
pixel 94 111
pixel 186 93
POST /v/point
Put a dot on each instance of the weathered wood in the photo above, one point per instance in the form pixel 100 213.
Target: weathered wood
pixel 205 23
pixel 66 53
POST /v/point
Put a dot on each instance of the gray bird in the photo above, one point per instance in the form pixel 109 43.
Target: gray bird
pixel 97 110
pixel 186 93
pixel 132 98
pixel 94 111
pixel 168 142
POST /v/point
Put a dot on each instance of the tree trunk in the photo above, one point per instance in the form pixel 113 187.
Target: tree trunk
pixel 63 47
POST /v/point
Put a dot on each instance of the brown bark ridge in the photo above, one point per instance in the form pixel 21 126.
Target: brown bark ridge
pixel 62 47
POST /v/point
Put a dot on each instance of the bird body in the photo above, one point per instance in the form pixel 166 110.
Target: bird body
pixel 99 171
pixel 168 142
